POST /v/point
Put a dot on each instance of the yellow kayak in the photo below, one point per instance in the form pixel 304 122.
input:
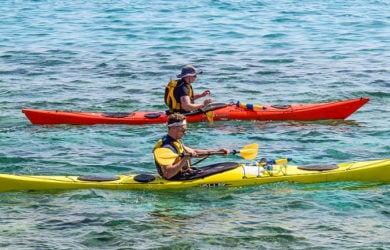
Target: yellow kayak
pixel 226 174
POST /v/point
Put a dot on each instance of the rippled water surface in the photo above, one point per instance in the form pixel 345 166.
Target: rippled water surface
pixel 118 55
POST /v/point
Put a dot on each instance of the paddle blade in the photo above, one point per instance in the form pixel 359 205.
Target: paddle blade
pixel 165 156
pixel 210 116
pixel 249 152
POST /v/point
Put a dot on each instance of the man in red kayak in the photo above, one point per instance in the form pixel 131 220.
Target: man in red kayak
pixel 179 95
pixel 177 127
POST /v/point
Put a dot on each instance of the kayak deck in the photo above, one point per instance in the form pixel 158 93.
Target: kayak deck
pixel 242 175
pixel 303 112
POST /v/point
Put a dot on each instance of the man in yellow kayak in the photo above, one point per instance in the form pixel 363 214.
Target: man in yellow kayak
pixel 177 127
pixel 179 95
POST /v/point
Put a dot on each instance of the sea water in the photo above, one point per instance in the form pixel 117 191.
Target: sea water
pixel 119 55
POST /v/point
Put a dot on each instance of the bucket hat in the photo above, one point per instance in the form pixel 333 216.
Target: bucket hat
pixel 189 70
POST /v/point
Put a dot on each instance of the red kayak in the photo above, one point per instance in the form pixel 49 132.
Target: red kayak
pixel 215 112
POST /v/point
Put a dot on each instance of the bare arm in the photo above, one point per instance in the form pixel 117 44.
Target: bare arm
pixel 206 92
pixel 170 171
pixel 188 106
pixel 196 152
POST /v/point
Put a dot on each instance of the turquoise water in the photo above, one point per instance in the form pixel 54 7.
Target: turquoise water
pixel 118 55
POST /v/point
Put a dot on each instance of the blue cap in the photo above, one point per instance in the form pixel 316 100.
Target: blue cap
pixel 189 70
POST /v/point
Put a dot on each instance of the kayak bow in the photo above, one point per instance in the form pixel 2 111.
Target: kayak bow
pixel 302 112
pixel 223 174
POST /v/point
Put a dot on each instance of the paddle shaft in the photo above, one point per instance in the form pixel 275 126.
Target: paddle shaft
pixel 208 154
pixel 165 156
pixel 211 153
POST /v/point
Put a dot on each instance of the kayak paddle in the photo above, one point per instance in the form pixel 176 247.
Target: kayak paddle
pixel 210 116
pixel 165 156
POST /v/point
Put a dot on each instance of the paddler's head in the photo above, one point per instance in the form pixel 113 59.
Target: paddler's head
pixel 177 125
pixel 189 73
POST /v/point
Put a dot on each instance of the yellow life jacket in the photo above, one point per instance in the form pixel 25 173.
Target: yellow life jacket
pixel 170 99
pixel 178 145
